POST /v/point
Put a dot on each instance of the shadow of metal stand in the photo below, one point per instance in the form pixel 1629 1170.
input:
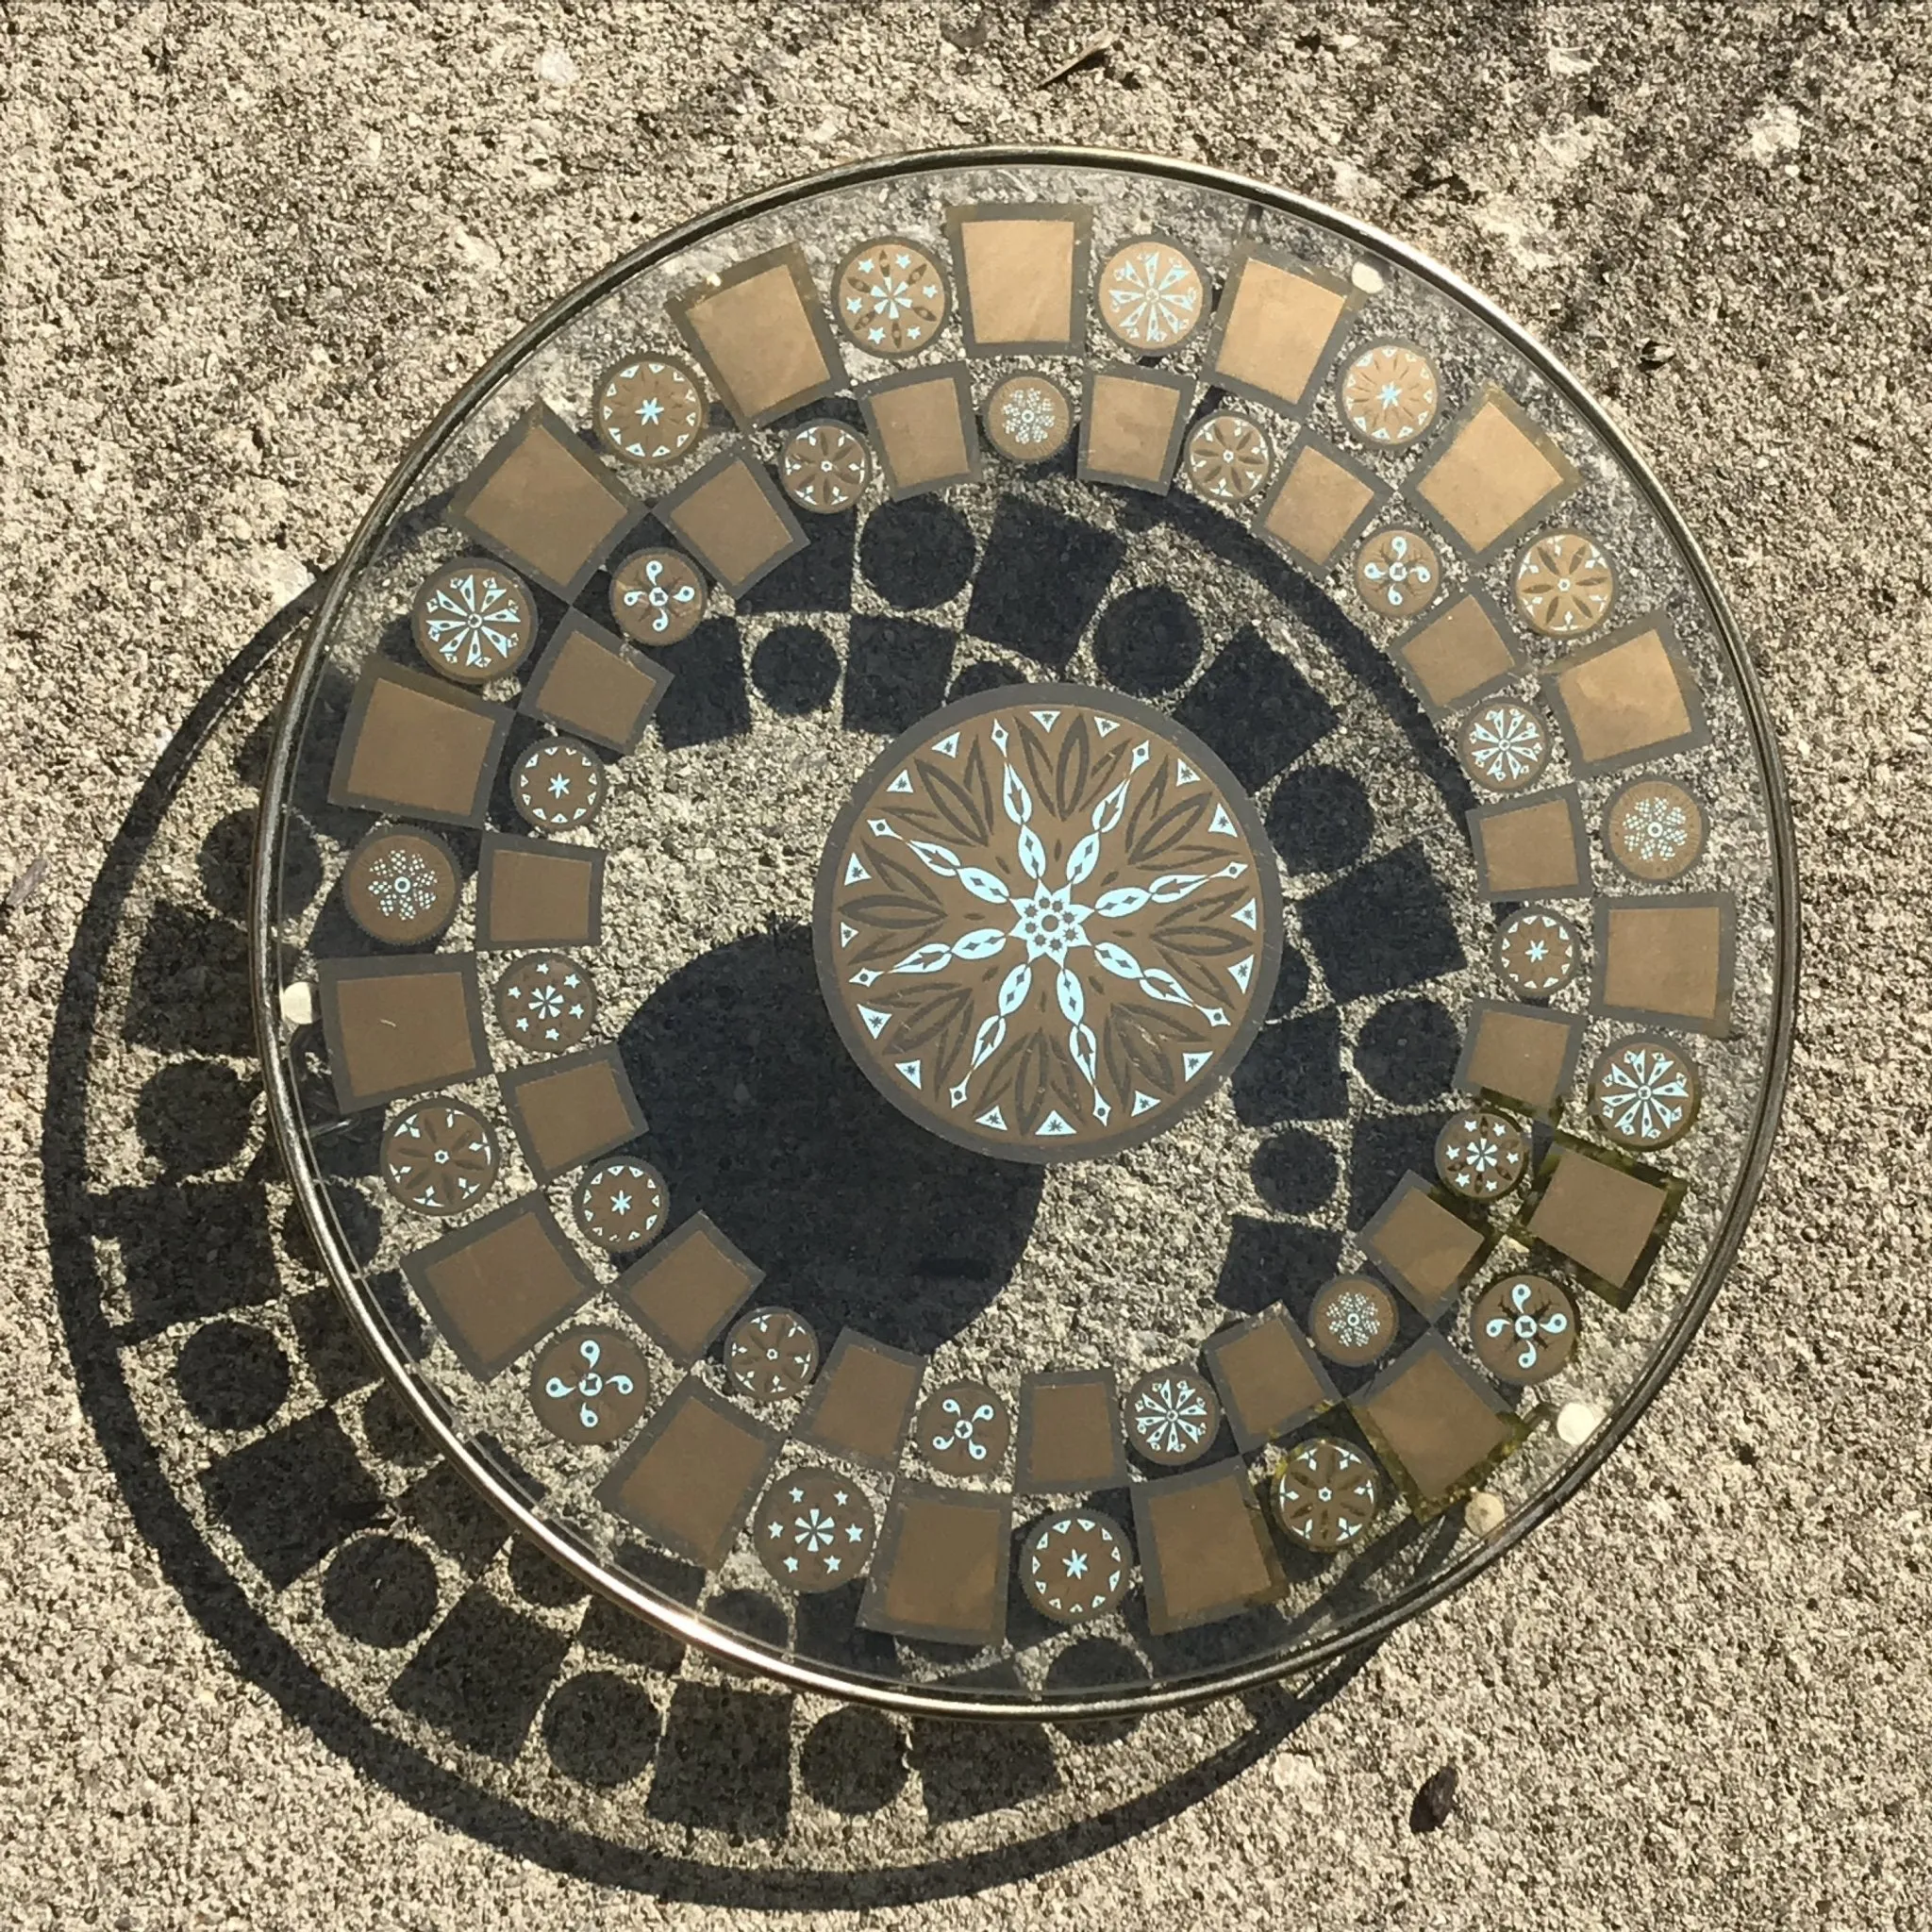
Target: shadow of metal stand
pixel 312 1535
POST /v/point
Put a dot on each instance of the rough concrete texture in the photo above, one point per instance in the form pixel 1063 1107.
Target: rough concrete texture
pixel 248 250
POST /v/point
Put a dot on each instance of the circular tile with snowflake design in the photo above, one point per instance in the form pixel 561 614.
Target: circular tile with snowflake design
pixel 1048 926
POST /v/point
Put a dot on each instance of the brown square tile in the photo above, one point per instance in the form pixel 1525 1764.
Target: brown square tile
pixel 533 893
pixel 688 1286
pixel 416 746
pixel 1608 1217
pixel 542 501
pixel 1436 1423
pixel 1021 270
pixel 940 1571
pixel 1425 1247
pixel 497 1285
pixel 922 425
pixel 690 1481
pixel 1070 1433
pixel 862 1400
pixel 1319 501
pixel 1268 1378
pixel 1669 960
pixel 1531 848
pixel 1461 652
pixel 1204 1551
pixel 570 1110
pixel 1131 426
pixel 762 335
pixel 1493 473
pixel 399 1027
pixel 1523 1055
pixel 1631 696
pixel 733 518
pixel 1276 327
pixel 588 684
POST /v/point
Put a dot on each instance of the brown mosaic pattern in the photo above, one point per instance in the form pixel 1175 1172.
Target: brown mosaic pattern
pixel 1047 926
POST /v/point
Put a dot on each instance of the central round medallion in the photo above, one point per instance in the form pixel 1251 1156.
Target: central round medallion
pixel 1047 923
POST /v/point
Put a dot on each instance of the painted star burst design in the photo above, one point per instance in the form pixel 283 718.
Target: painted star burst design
pixel 1049 921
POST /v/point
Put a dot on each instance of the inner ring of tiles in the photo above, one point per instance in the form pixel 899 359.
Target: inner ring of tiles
pixel 1525 1007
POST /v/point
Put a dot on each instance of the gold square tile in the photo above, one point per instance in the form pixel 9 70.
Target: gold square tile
pixel 922 427
pixel 1276 327
pixel 1668 959
pixel 1131 426
pixel 1494 473
pixel 1022 269
pixel 1531 848
pixel 1319 500
pixel 762 335
pixel 542 500
pixel 1631 696
pixel 1460 652
pixel 1523 1055
pixel 733 518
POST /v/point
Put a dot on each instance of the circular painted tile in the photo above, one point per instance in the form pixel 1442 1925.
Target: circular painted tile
pixel 1504 745
pixel 474 621
pixel 962 1428
pixel 1227 458
pixel 1481 1155
pixel 1076 1568
pixel 1564 585
pixel 401 885
pixel 1151 295
pixel 889 297
pixel 1058 908
pixel 1654 829
pixel 557 785
pixel 814 1530
pixel 1397 572
pixel 1353 1320
pixel 1388 394
pixel 545 1002
pixel 1644 1093
pixel 1536 952
pixel 1172 1416
pixel 648 410
pixel 620 1205
pixel 824 467
pixel 658 597
pixel 771 1354
pixel 1028 418
pixel 439 1156
pixel 1325 1496
pixel 589 1385
pixel 1522 1329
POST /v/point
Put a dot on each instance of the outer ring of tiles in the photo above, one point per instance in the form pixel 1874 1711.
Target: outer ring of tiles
pixel 1130 1703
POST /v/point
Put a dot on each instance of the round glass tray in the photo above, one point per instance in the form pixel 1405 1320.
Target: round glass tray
pixel 1024 933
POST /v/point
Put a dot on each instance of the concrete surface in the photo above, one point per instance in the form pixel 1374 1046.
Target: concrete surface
pixel 248 249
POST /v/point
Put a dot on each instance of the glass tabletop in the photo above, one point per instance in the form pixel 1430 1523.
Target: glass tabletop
pixel 1026 933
